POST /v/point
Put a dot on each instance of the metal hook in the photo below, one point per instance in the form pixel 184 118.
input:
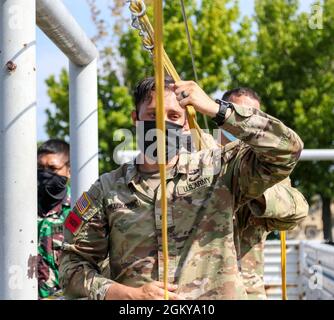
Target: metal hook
pixel 135 23
pixel 142 12
pixel 148 47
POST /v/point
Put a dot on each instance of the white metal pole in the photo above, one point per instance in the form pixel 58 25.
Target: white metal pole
pixel 18 167
pixel 317 155
pixel 83 127
pixel 61 27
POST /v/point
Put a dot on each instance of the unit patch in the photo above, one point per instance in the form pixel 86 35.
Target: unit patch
pixel 73 222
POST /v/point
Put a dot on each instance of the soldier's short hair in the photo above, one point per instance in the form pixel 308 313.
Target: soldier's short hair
pixel 241 91
pixel 54 146
pixel 143 91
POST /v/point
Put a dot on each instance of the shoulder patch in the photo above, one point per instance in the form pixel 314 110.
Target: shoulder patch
pixel 83 203
pixel 73 222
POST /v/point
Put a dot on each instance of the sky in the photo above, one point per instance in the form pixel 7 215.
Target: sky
pixel 50 60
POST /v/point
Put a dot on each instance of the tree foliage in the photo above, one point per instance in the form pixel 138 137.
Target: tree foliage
pixel 291 65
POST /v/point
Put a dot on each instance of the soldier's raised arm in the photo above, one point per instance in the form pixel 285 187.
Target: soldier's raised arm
pixel 272 153
pixel 273 149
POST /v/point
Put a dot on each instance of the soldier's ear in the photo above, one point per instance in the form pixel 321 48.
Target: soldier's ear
pixel 134 117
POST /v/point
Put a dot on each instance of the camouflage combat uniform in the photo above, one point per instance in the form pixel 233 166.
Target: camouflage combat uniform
pixel 285 208
pixel 50 239
pixel 121 216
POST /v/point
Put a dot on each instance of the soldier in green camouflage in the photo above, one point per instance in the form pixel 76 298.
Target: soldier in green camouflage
pixel 120 215
pixel 54 204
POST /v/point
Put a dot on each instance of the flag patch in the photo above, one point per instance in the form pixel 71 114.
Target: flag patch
pixel 73 222
pixel 83 204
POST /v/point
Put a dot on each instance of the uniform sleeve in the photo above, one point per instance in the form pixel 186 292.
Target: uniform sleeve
pixel 285 207
pixel 271 152
pixel 85 246
pixel 209 141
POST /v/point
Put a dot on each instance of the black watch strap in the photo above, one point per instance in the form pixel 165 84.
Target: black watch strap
pixel 220 116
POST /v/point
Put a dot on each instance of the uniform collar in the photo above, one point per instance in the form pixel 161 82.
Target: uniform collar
pixel 186 162
pixel 132 173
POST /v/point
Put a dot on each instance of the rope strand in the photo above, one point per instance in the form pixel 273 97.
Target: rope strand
pixel 185 19
pixel 283 265
pixel 161 130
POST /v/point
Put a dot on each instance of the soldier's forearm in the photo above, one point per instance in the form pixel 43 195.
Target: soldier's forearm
pixel 269 138
pixel 79 279
pixel 271 151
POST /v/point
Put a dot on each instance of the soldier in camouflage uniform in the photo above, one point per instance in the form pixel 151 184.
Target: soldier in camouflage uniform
pixel 281 207
pixel 54 204
pixel 120 215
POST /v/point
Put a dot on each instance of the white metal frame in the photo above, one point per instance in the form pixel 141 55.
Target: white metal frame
pixel 60 26
pixel 18 147
pixel 307 155
pixel 18 167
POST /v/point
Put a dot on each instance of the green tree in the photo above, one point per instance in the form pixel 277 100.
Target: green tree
pixel 290 64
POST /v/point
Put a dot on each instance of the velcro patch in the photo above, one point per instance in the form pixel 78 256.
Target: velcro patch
pixel 194 185
pixel 117 206
pixel 73 222
pixel 83 204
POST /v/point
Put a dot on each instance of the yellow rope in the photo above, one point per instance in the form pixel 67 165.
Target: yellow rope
pixel 161 130
pixel 137 7
pixel 283 265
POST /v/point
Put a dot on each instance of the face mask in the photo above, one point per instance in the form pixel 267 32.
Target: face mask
pixel 51 190
pixel 147 139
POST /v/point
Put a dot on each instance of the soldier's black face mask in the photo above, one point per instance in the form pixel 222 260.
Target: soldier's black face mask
pixel 147 139
pixel 51 190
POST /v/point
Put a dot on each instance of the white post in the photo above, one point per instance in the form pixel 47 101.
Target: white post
pixel 83 127
pixel 61 27
pixel 317 155
pixel 18 167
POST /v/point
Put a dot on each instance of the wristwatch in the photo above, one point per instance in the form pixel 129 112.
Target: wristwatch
pixel 220 116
